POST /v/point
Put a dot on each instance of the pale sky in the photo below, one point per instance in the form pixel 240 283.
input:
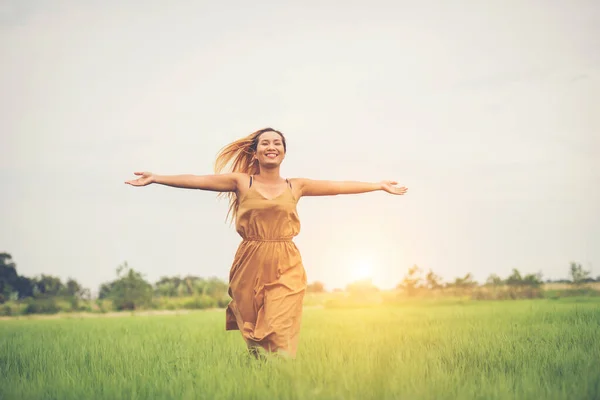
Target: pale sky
pixel 489 112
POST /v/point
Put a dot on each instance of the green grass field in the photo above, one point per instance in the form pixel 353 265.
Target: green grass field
pixel 529 349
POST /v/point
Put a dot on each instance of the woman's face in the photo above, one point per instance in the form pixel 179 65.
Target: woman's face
pixel 269 149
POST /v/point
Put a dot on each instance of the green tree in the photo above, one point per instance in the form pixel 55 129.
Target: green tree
pixel 166 286
pixel 73 289
pixel 8 277
pixel 466 282
pixel 515 279
pixel 215 287
pixel 129 291
pixel 533 280
pixel 11 284
pixel 412 281
pixel 494 280
pixel 48 286
pixel 578 275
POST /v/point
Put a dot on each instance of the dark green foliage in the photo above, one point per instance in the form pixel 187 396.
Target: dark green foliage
pixel 189 286
pixel 6 310
pixel 11 284
pixel 129 291
pixel 48 286
pixel 41 306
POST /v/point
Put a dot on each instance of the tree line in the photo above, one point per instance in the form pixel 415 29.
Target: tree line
pixel 131 291
pixel 418 282
pixel 47 294
pixel 514 286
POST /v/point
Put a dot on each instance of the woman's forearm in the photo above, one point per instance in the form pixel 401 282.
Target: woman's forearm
pixel 354 187
pixel 217 183
pixel 331 188
pixel 185 181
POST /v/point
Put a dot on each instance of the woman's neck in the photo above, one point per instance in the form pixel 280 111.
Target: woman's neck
pixel 270 175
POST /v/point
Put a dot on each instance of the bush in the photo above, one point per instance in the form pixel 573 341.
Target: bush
pixel 200 302
pixel 129 292
pixel 103 306
pixel 574 292
pixel 223 301
pixel 41 306
pixel 506 292
pixel 6 310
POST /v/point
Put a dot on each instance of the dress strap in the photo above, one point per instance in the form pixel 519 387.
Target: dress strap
pixel 250 181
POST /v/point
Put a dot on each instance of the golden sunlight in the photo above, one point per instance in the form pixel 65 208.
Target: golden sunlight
pixel 362 270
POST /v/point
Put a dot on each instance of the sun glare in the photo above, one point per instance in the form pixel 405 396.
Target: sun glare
pixel 363 270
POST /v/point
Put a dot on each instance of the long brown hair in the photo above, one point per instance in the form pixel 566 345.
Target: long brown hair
pixel 238 156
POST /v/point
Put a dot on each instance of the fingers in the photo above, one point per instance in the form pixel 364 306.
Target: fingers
pixel 390 187
pixel 139 181
pixel 136 182
pixel 400 190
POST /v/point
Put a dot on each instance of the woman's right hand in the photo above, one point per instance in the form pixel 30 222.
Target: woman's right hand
pixel 145 178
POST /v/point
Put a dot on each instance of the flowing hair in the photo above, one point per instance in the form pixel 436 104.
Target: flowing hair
pixel 239 157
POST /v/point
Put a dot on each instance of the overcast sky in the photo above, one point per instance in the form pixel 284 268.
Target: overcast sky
pixel 489 112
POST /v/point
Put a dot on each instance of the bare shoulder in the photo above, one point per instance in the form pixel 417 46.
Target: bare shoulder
pixel 298 185
pixel 298 182
pixel 242 182
pixel 240 177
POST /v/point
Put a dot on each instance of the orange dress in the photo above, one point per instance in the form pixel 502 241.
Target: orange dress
pixel 267 280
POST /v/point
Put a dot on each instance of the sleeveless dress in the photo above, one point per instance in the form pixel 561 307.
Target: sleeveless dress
pixel 267 280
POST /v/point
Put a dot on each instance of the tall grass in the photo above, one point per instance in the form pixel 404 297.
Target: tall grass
pixel 529 349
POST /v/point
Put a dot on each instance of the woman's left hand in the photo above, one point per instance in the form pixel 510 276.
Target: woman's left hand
pixel 390 187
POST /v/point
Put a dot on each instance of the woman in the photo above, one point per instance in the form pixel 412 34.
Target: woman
pixel 267 280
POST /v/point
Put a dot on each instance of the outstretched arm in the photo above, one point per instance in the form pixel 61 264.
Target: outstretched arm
pixel 216 183
pixel 310 187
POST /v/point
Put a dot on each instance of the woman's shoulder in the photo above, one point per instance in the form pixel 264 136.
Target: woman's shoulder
pixel 297 181
pixel 244 181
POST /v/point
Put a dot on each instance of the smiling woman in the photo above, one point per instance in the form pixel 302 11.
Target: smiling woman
pixel 267 280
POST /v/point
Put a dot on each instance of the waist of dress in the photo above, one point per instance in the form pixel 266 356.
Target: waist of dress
pixel 260 239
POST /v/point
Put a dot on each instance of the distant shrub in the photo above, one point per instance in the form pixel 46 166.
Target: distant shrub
pixel 129 292
pixel 223 301
pixel 507 292
pixel 41 306
pixel 102 306
pixel 6 310
pixel 200 302
pixel 582 291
